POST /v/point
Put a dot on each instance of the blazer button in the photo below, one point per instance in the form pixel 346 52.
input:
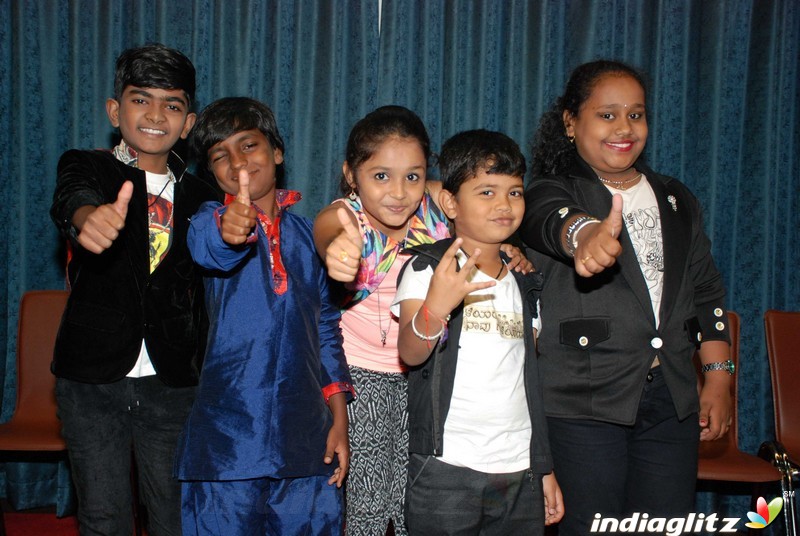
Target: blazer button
pixel 584 341
pixel 718 312
pixel 656 342
pixel 720 326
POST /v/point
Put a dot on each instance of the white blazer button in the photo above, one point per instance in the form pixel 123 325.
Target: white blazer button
pixel 718 312
pixel 720 326
pixel 656 342
pixel 583 341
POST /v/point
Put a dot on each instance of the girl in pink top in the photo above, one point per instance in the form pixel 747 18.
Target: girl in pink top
pixel 388 206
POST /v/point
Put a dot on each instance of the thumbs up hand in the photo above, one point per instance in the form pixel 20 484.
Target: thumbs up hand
pixel 598 244
pixel 343 254
pixel 239 218
pixel 100 226
pixel 243 196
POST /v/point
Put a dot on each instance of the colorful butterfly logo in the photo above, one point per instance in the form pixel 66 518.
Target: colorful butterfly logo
pixel 765 513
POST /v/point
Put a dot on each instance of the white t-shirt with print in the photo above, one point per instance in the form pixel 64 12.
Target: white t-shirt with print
pixel 488 426
pixel 643 223
pixel 160 195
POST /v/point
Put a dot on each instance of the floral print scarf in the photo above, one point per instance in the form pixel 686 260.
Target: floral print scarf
pixel 427 225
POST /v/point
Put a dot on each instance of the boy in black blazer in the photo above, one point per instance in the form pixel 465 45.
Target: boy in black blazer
pixel 128 349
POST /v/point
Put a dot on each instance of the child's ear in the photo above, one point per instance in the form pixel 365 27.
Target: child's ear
pixel 277 155
pixel 112 109
pixel 447 201
pixel 191 117
pixel 569 123
pixel 349 177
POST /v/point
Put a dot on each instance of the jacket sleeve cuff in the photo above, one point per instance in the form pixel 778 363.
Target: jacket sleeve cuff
pixel 554 226
pixel 713 318
pixel 338 387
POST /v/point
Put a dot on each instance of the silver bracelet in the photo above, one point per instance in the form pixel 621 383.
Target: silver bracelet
pixel 575 228
pixel 425 337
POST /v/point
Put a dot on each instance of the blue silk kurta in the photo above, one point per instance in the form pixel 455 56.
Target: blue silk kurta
pixel 260 410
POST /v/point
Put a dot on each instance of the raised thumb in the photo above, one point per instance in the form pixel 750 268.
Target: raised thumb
pixel 614 219
pixel 243 196
pixel 123 198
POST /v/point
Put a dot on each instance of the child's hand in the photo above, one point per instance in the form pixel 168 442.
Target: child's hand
pixel 517 260
pixel 553 500
pixel 239 217
pixel 338 444
pixel 449 287
pixel 101 225
pixel 343 254
pixel 598 244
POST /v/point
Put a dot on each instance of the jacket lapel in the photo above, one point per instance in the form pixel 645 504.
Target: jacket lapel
pixel 597 200
pixel 675 236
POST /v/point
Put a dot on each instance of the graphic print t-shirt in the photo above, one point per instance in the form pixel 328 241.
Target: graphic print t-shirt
pixel 488 427
pixel 643 222
pixel 160 194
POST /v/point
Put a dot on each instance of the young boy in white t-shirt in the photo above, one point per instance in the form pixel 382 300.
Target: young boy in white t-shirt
pixel 479 452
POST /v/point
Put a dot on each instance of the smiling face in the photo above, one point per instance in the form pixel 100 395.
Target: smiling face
pixel 610 129
pixel 151 121
pixel 487 209
pixel 391 184
pixel 250 150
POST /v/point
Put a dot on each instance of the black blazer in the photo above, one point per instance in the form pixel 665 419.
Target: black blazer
pixel 599 334
pixel 115 302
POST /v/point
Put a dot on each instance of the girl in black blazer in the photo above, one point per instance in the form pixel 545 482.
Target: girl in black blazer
pixel 631 292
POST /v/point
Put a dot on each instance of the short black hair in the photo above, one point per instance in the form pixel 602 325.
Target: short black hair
pixel 225 117
pixel 471 151
pixel 375 128
pixel 156 66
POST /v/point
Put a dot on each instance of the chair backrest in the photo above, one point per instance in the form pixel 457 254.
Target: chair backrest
pixel 40 314
pixel 783 347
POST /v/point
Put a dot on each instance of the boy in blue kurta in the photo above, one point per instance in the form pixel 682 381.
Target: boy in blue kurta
pixel 258 452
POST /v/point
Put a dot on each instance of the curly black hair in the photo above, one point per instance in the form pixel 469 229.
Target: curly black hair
pixel 551 149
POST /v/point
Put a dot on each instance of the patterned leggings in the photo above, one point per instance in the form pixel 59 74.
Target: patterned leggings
pixel 378 453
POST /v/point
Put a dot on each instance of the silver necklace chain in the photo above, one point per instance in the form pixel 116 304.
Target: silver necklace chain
pixel 617 184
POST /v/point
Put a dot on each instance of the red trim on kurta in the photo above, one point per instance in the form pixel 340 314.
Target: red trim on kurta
pixel 272 230
pixel 337 387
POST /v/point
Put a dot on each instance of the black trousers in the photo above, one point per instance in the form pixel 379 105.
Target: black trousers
pixel 101 423
pixel 443 499
pixel 614 470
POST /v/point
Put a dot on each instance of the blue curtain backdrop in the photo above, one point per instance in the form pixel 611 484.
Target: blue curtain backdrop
pixel 723 110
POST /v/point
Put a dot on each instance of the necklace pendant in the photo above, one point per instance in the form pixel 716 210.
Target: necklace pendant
pixel 384 333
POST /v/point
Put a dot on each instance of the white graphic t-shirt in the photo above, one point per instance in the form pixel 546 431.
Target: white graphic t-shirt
pixel 160 195
pixel 643 222
pixel 488 426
